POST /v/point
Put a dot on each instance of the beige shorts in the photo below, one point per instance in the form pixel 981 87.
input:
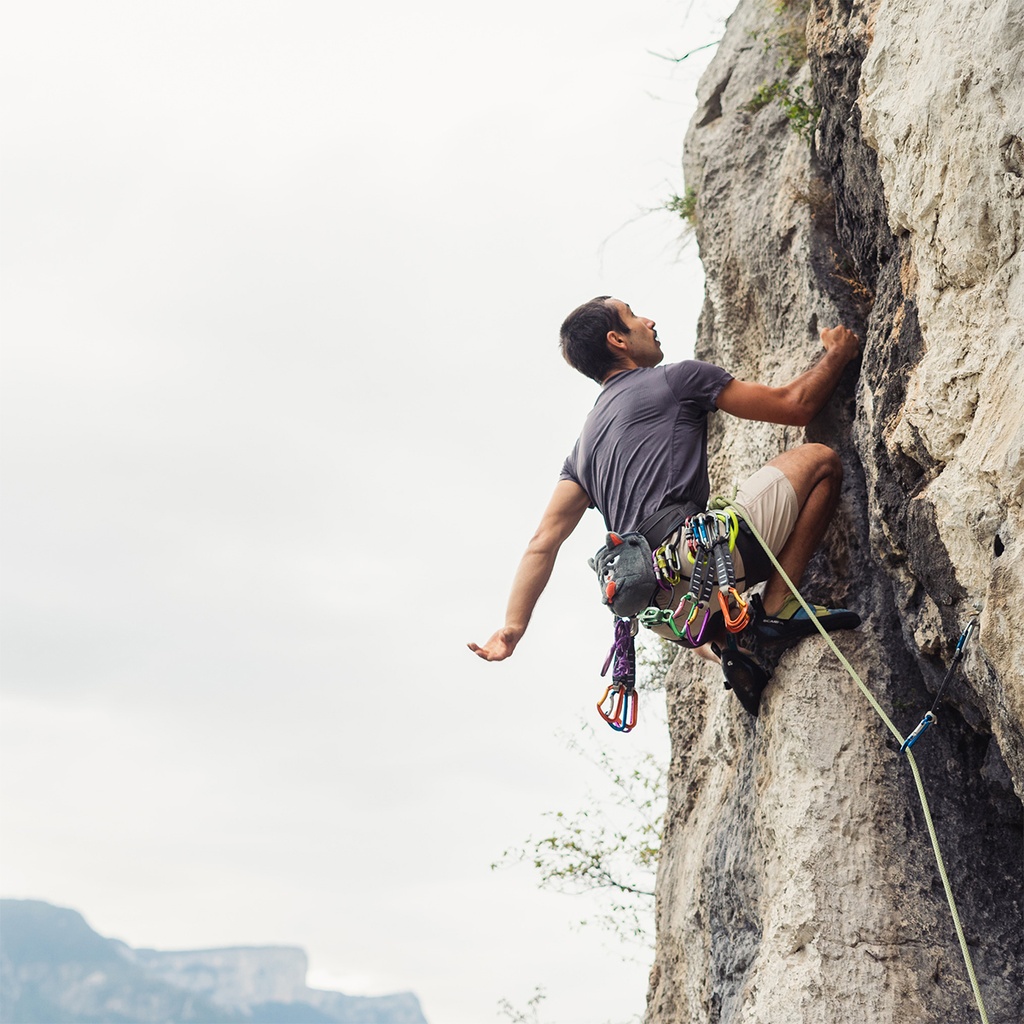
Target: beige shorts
pixel 770 501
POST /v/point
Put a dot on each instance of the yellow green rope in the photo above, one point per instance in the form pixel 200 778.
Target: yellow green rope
pixel 722 502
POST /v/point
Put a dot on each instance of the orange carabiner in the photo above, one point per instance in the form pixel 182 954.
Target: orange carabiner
pixel 738 622
pixel 623 707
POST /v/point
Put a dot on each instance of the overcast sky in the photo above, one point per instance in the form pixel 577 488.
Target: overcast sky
pixel 282 405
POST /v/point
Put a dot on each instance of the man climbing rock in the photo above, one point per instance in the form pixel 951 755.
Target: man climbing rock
pixel 642 457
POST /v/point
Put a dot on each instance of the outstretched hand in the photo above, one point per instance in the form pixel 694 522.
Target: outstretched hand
pixel 499 647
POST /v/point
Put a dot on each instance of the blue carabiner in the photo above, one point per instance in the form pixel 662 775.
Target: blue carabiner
pixel 922 728
pixel 623 707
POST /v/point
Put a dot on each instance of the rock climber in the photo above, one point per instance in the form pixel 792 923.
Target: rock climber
pixel 643 447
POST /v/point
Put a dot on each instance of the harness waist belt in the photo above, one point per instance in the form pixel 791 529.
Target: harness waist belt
pixel 659 527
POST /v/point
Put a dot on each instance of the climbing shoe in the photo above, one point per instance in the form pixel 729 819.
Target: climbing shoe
pixel 792 623
pixel 744 676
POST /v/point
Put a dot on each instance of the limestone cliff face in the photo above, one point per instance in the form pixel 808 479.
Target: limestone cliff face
pixel 797 881
pixel 237 977
pixel 54 967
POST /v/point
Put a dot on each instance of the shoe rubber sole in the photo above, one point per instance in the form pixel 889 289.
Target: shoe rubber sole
pixel 745 678
pixel 801 625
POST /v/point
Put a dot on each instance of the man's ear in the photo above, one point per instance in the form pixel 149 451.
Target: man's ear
pixel 616 343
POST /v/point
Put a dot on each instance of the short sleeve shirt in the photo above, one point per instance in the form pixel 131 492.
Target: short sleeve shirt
pixel 644 445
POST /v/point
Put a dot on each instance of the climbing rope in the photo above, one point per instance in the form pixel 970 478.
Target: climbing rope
pixel 904 746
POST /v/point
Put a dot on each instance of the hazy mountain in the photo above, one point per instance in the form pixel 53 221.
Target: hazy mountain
pixel 54 969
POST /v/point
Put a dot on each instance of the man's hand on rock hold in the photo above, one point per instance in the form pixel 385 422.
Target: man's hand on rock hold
pixel 841 341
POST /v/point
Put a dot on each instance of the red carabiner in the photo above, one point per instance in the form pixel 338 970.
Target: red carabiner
pixel 623 707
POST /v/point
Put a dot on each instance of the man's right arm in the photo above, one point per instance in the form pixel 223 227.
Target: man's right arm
pixel 564 511
pixel 799 401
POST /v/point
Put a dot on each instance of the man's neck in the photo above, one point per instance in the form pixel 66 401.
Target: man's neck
pixel 621 368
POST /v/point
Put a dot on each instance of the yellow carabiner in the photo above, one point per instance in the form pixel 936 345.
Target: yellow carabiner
pixel 668 567
pixel 734 528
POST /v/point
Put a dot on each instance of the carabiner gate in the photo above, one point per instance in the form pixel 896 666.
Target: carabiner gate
pixel 738 622
pixel 929 719
pixel 623 706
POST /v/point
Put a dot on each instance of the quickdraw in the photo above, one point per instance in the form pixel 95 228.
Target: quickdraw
pixel 725 527
pixel 620 695
pixel 930 718
pixel 709 540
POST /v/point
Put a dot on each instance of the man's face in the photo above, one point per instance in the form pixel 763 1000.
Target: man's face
pixel 642 345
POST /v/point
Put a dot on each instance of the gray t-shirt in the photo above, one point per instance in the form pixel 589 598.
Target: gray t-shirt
pixel 644 445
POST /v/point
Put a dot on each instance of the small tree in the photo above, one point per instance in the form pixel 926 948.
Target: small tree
pixel 611 845
pixel 531 1015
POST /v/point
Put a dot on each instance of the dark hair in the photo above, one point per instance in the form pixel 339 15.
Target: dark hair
pixel 584 337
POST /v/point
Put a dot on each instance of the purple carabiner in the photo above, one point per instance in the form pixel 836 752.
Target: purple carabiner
pixel 703 626
pixel 623 707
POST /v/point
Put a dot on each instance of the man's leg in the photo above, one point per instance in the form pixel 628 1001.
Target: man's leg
pixel 816 474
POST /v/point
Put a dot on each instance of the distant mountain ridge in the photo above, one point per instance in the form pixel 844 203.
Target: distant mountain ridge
pixel 54 969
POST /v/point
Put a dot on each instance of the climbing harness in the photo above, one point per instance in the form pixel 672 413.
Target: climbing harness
pixel 621 696
pixel 632 571
pixel 631 574
pixel 709 539
pixel 930 718
pixel 904 746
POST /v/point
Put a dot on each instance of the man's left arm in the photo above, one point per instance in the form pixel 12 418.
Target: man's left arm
pixel 564 511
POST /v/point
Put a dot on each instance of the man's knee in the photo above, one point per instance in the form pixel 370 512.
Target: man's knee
pixel 826 483
pixel 809 465
pixel 829 461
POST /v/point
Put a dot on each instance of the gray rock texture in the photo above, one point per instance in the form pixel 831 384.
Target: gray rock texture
pixel 797 881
